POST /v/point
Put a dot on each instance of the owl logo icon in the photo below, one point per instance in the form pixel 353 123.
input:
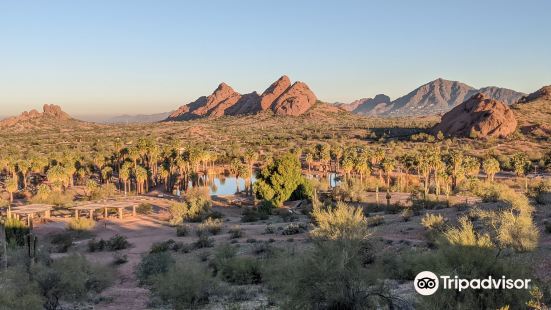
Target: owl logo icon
pixel 426 283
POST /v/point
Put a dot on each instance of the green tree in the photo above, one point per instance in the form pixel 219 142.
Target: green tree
pixel 278 180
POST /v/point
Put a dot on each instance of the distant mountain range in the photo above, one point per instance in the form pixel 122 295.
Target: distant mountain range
pixel 125 118
pixel 436 97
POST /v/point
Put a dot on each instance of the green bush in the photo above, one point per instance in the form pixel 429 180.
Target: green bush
pixel 144 208
pixel 341 222
pixel 236 232
pixel 331 275
pixel 241 270
pixel 203 242
pixel 153 264
pixel 375 220
pixel 182 230
pixel 71 278
pixel 117 243
pixel 433 222
pixel 172 290
pixel 81 224
pixel 62 242
pixel 16 231
pixel 209 226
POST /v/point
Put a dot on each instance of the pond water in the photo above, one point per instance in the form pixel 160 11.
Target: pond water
pixel 224 185
pixel 228 185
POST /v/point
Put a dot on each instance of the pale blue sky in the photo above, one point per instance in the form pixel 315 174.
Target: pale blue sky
pixel 110 57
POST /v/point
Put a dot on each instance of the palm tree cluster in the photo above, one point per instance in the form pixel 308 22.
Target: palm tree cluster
pixel 137 167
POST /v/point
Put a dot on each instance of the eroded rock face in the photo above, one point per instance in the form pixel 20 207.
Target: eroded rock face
pixel 281 97
pixel 478 117
pixel 296 100
pixel 543 93
pixel 274 91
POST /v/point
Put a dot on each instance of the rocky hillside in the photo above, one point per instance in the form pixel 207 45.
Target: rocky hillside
pixel 478 117
pixel 52 117
pixel 436 97
pixel 534 113
pixel 282 98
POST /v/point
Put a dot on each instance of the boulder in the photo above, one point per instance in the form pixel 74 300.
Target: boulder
pixel 478 117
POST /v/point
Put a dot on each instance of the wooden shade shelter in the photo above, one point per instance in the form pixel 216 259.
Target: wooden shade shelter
pixel 92 207
pixel 31 210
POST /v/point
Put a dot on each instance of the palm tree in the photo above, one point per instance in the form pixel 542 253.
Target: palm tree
pixel 141 178
pixel 24 166
pixel 124 175
pixel 376 158
pixel 491 167
pixel 520 164
pixel 164 174
pixel 388 165
pixel 251 157
pixel 12 186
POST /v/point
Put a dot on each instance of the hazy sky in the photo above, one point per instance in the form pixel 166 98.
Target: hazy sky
pixel 110 57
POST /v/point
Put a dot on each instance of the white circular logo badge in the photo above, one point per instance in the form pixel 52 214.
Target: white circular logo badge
pixel 426 283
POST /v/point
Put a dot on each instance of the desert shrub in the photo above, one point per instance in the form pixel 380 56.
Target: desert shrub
pixel 119 259
pixel 341 222
pixel 62 242
pixel 241 270
pixel 433 221
pixel 144 208
pixel 234 269
pixel 209 226
pixel 45 195
pixel 465 235
pixel 153 264
pixel 406 214
pixel 375 220
pixel 81 224
pixel 203 242
pixel 351 190
pixel 117 243
pixel 253 215
pixel 163 246
pixel 16 231
pixel 331 275
pixel 169 288
pixel 269 229
pixel 195 208
pixel 182 230
pixel 71 278
pixel 96 246
pixel 103 191
pixel 236 232
pixel 468 263
pixel 18 291
pixel 542 192
pixel 292 229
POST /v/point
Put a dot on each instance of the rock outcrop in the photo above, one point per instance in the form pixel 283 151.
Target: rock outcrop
pixel 50 111
pixel 281 97
pixel 478 117
pixel 533 113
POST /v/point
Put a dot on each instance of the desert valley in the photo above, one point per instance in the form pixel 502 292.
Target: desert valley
pixel 278 200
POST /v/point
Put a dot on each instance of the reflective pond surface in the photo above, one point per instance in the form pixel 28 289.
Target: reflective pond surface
pixel 224 185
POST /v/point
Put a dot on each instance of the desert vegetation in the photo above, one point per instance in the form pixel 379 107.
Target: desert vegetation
pixel 339 214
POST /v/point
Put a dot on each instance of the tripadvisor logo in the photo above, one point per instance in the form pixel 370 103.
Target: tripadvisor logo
pixel 426 283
